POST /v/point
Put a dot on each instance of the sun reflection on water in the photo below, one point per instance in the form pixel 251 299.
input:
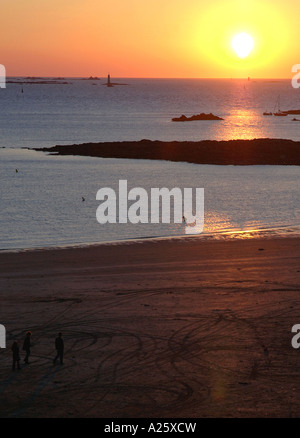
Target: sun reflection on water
pixel 244 125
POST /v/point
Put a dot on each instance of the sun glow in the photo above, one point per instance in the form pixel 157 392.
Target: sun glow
pixel 242 44
pixel 149 39
pixel 220 38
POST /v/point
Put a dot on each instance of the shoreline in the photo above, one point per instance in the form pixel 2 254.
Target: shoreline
pixel 166 329
pixel 286 232
pixel 264 151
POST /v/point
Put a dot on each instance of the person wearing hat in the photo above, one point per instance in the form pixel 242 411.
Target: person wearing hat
pixel 26 346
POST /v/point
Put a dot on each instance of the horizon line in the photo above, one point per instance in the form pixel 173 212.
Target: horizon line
pixel 145 77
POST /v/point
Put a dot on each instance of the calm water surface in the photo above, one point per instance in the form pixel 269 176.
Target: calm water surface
pixel 41 205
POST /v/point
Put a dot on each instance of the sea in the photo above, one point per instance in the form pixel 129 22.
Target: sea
pixel 50 201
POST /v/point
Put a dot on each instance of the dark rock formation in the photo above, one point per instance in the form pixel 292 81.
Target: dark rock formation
pixel 236 152
pixel 201 116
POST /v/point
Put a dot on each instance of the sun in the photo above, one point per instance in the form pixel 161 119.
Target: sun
pixel 242 44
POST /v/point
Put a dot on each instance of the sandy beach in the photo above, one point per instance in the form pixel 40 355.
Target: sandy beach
pixel 165 328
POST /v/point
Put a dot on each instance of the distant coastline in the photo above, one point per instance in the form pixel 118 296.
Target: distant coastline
pixel 263 151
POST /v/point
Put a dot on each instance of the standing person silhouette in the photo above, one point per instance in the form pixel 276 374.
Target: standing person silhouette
pixel 59 345
pixel 26 346
pixel 16 355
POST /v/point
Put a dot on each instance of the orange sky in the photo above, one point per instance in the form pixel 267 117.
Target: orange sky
pixel 153 38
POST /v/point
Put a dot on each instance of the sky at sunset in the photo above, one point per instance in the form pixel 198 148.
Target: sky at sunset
pixel 157 38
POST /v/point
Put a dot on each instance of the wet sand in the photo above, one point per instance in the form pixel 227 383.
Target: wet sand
pixel 170 328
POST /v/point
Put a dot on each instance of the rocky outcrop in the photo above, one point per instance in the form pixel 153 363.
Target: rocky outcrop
pixel 201 116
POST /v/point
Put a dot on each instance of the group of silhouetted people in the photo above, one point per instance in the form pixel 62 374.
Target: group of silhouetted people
pixel 59 346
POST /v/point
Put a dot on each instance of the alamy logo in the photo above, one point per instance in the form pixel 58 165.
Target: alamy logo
pixel 2 76
pixel 153 207
pixel 296 339
pixel 296 78
pixel 2 336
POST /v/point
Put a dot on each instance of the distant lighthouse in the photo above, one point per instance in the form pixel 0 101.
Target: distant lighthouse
pixel 109 84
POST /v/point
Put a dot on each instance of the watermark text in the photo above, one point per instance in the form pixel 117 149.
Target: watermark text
pixel 296 78
pixel 2 336
pixel 2 76
pixel 139 206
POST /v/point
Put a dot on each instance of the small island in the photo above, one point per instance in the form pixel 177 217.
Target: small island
pixel 91 78
pixel 260 151
pixel 201 116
